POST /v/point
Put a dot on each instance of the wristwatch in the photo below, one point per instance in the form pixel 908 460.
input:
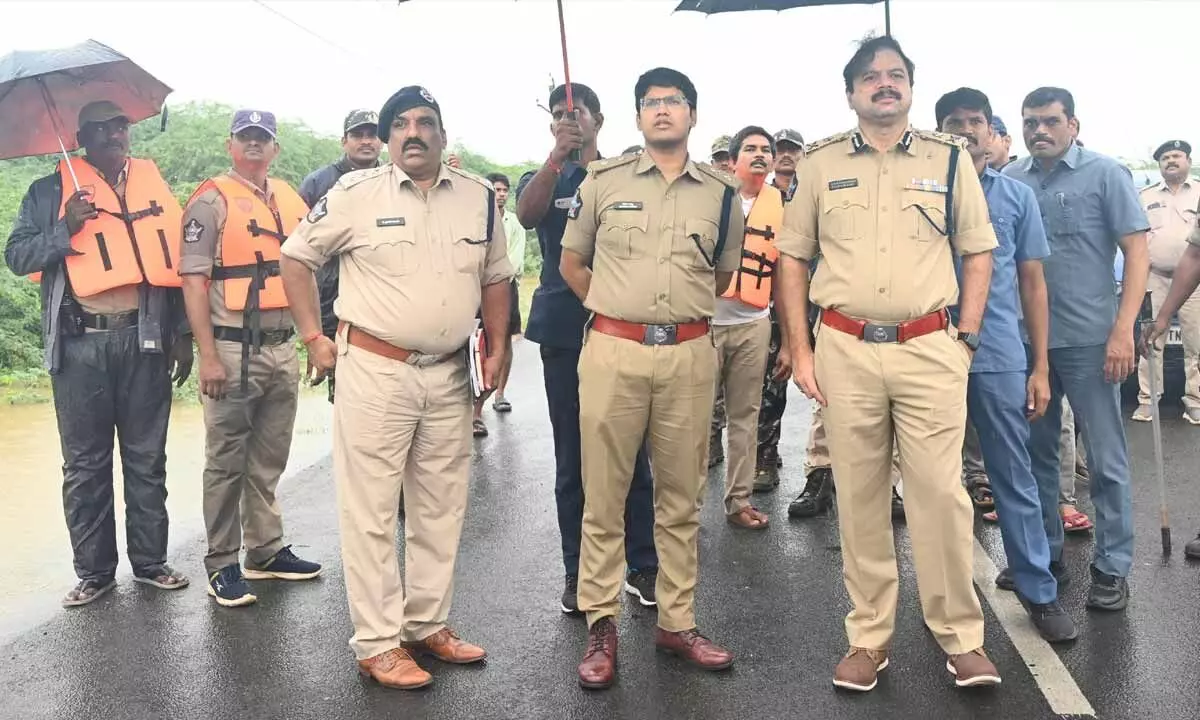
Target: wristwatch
pixel 970 339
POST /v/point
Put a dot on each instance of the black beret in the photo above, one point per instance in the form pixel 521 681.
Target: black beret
pixel 1172 145
pixel 405 99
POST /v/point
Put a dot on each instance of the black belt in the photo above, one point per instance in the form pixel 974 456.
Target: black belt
pixel 109 322
pixel 241 335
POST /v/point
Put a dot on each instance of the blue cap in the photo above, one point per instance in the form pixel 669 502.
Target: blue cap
pixel 243 119
pixel 405 99
pixel 999 126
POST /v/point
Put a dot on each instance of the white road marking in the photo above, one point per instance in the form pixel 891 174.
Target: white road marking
pixel 1051 676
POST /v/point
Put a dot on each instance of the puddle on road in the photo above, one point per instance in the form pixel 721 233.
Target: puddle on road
pixel 37 551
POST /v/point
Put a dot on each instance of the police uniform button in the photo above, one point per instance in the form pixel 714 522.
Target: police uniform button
pixel 881 292
pixel 669 196
pixel 845 203
pixel 883 250
pixel 661 260
pixel 885 171
pixel 883 209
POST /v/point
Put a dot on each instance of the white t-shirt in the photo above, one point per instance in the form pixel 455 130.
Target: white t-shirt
pixel 735 312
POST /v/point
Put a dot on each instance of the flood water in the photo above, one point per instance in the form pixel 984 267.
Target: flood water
pixel 36 558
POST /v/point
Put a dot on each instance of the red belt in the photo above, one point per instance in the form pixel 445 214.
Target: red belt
pixel 650 334
pixel 880 333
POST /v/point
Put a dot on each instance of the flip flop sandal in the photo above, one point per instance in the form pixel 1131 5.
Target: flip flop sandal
pixel 479 428
pixel 87 591
pixel 1076 522
pixel 165 579
pixel 749 518
pixel 502 405
pixel 981 496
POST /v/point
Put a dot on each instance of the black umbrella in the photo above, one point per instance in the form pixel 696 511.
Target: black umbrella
pixel 712 7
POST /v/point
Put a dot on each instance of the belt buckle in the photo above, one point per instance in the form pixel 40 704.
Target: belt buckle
pixel 873 333
pixel 422 360
pixel 661 335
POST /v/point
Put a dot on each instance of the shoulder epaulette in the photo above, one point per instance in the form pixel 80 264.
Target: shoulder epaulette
pixel 826 142
pixel 720 175
pixel 354 177
pixel 598 166
pixel 471 176
pixel 941 137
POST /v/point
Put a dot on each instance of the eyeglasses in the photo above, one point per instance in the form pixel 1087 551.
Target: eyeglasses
pixel 671 101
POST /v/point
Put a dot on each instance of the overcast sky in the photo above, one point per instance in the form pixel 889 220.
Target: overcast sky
pixel 489 62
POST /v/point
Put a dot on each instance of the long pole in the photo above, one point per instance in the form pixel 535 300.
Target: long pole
pixel 562 34
pixel 887 17
pixel 1152 370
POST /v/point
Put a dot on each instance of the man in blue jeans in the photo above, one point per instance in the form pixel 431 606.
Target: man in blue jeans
pixel 556 321
pixel 1000 399
pixel 1089 208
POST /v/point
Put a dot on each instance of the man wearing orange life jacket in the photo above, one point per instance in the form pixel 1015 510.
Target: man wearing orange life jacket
pixel 741 323
pixel 249 371
pixel 99 235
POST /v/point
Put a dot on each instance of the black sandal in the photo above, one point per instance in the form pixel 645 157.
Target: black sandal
pixel 981 495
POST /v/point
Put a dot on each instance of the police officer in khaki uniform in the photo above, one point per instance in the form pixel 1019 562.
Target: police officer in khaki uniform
pixel 249 374
pixel 420 245
pixel 886 206
pixel 651 241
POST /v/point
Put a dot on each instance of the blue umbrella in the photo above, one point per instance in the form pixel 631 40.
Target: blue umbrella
pixel 42 92
pixel 712 7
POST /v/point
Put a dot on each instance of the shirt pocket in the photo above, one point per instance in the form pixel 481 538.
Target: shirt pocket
pixel 392 250
pixel 844 213
pixel 924 214
pixel 1005 230
pixel 1062 218
pixel 470 245
pixel 622 233
pixel 699 243
pixel 1157 217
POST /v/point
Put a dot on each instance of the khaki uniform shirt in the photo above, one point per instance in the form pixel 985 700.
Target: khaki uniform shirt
pixel 198 256
pixel 119 299
pixel 650 244
pixel 882 258
pixel 1172 217
pixel 412 265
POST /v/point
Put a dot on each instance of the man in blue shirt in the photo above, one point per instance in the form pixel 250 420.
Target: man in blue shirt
pixel 556 320
pixel 1089 208
pixel 1000 400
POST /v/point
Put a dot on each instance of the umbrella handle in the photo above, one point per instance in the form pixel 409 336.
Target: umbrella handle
pixel 56 121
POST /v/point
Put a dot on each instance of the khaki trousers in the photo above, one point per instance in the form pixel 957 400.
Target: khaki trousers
pixel 629 392
pixel 398 426
pixel 741 363
pixel 248 436
pixel 1189 326
pixel 817 455
pixel 916 390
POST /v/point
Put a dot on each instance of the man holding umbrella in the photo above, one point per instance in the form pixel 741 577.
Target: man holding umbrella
pixel 103 233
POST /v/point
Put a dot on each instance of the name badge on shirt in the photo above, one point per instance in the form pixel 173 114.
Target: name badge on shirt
pixel 626 205
pixel 845 184
pixel 564 203
pixel 1154 206
pixel 389 222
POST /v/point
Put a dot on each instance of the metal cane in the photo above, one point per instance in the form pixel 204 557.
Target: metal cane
pixel 1156 423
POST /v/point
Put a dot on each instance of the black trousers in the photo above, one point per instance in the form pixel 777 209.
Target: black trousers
pixel 560 368
pixel 108 384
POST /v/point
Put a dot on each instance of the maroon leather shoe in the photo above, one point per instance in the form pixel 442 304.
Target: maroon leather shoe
pixel 600 661
pixel 694 647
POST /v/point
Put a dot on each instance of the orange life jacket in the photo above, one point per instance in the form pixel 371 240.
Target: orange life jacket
pixel 132 239
pixel 250 242
pixel 759 254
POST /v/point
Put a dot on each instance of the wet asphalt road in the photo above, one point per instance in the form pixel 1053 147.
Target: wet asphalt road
pixel 775 598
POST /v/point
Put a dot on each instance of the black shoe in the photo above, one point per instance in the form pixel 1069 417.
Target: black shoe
pixel 640 584
pixel 716 451
pixel 1108 592
pixel 1054 624
pixel 897 505
pixel 570 596
pixel 1192 549
pixel 1004 581
pixel 817 496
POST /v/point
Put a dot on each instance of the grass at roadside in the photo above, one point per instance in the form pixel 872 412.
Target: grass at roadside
pixel 26 387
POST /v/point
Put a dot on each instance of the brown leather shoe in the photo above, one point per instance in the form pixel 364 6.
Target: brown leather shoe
pixel 694 647
pixel 859 670
pixel 447 647
pixel 395 669
pixel 972 669
pixel 599 663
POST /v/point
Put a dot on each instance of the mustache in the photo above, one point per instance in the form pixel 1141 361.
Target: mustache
pixel 1172 166
pixel 1042 138
pixel 885 93
pixel 414 142
pixel 758 162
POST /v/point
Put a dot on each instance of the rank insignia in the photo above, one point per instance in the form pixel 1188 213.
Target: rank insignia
pixel 320 210
pixel 192 231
